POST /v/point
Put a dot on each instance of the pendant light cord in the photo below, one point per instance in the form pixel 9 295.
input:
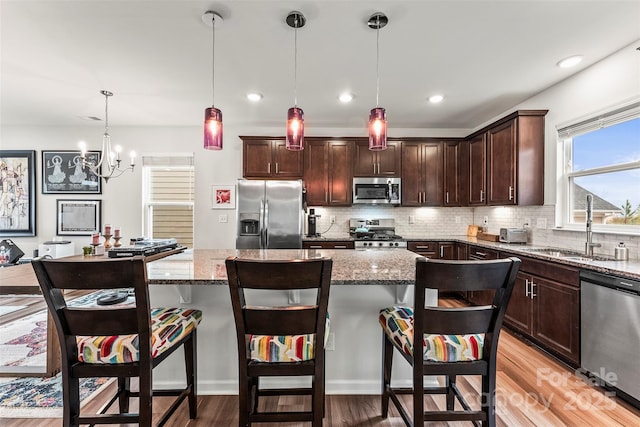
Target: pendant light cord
pixel 377 59
pixel 213 56
pixel 106 113
pixel 295 62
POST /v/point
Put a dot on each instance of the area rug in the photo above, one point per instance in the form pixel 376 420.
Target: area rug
pixel 23 342
pixel 41 397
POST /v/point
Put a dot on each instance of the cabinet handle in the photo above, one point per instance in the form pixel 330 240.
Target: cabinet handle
pixel 424 197
pixel 378 168
pixel 482 254
pixel 374 168
pixel 447 197
pixel 340 247
pixel 481 196
pixel 269 167
pixel 420 197
pixel 533 285
pixel 326 196
pixel 315 247
pixel 422 247
pixel 526 287
pixel 441 252
pixel 276 168
pixel 510 193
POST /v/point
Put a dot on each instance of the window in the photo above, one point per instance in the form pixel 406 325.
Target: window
pixel 168 196
pixel 601 156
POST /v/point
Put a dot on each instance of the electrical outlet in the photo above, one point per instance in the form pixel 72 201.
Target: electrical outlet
pixel 457 218
pixel 222 218
pixel 412 219
pixel 330 345
pixel 485 220
pixel 332 219
pixel 527 222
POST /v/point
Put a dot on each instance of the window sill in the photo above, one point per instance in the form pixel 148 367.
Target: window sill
pixel 618 231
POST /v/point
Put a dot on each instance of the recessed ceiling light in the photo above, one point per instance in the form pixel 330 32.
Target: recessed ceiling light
pixel 254 96
pixel 570 61
pixel 434 99
pixel 346 97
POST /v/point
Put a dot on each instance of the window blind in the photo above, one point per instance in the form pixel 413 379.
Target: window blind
pixel 597 121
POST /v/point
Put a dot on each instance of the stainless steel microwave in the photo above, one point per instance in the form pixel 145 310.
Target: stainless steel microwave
pixel 376 191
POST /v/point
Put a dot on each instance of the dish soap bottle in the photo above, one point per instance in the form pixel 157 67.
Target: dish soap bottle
pixel 621 252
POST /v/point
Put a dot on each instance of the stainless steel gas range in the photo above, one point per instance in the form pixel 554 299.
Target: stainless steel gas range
pixel 370 234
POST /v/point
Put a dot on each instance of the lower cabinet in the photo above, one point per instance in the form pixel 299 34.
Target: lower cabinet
pixel 545 307
pixel 328 244
pixel 435 250
pixel 480 253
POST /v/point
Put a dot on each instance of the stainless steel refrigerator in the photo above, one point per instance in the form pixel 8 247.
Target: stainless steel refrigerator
pixel 269 214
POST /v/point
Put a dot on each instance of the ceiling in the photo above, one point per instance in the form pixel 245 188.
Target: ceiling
pixel 484 56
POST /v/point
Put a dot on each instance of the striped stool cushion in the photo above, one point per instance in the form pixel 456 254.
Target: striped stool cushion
pixel 168 327
pixel 397 323
pixel 284 348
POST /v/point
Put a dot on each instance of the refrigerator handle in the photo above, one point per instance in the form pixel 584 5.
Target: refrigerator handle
pixel 266 224
pixel 262 224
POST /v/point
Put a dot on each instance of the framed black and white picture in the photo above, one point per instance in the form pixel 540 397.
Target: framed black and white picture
pixel 17 193
pixel 63 172
pixel 78 217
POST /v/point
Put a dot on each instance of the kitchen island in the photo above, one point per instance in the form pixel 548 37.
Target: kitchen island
pixel 362 282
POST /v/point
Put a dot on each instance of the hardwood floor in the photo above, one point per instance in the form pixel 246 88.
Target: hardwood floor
pixel 533 390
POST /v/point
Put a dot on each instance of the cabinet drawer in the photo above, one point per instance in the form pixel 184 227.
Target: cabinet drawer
pixel 328 245
pixel 550 270
pixel 423 247
pixel 476 252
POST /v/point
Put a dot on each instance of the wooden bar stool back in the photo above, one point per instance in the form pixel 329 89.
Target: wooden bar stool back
pixel 455 341
pixel 282 340
pixel 123 340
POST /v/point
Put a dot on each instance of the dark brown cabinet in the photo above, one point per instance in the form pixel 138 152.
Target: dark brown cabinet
pixel 327 244
pixel 477 171
pixel 327 172
pixel 435 250
pixel 452 173
pixel 268 158
pixel 480 253
pixel 377 163
pixel 506 161
pixel 422 173
pixel 545 306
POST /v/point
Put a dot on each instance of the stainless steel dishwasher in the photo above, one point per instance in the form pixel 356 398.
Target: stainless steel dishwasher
pixel 610 330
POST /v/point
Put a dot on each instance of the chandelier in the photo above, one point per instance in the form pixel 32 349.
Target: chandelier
pixel 110 164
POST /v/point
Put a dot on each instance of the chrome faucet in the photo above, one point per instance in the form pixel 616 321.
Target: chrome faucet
pixel 589 245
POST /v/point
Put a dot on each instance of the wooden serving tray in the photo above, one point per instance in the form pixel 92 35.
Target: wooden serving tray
pixel 488 237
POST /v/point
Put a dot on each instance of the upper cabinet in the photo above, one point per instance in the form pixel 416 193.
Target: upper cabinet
pixel 377 163
pixel 452 173
pixel 328 172
pixel 268 158
pixel 422 173
pixel 506 161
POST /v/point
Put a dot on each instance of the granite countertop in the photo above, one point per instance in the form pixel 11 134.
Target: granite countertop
pixel 350 267
pixel 629 269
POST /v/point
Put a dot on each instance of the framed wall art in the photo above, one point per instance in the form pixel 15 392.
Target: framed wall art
pixel 223 197
pixel 17 193
pixel 78 217
pixel 63 173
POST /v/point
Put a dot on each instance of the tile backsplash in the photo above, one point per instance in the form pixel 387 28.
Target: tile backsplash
pixel 451 222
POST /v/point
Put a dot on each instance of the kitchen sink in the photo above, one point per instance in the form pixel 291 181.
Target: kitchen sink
pixel 568 254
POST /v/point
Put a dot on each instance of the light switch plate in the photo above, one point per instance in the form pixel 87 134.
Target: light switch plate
pixel 412 219
pixel 222 218
pixel 332 219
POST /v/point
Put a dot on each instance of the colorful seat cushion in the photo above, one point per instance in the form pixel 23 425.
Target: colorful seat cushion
pixel 284 348
pixel 397 323
pixel 168 326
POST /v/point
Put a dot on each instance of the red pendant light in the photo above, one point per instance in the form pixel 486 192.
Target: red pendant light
pixel 378 115
pixel 295 115
pixel 212 115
